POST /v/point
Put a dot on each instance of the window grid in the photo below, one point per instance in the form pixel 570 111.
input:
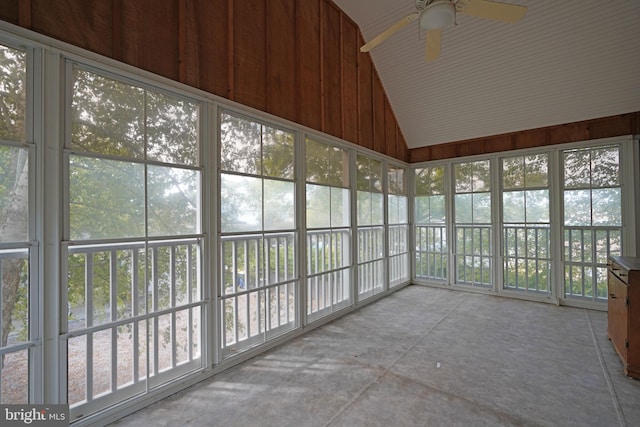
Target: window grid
pixel 526 233
pixel 107 350
pixel 370 227
pixel 397 226
pixel 592 228
pixel 473 255
pixel 258 288
pixel 19 288
pixel 133 261
pixel 431 246
pixel 527 263
pixel 431 252
pixel 328 235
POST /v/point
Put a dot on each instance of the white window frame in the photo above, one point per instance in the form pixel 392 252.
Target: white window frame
pixel 630 183
pixel 33 245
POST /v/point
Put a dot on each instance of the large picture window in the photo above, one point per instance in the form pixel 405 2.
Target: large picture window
pixel 398 226
pixel 18 297
pixel 370 226
pixel 328 213
pixel 431 252
pixel 134 240
pixel 258 273
pixel 526 237
pixel 592 218
pixel 473 234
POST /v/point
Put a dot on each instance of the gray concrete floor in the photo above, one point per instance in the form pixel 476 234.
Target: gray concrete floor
pixel 423 357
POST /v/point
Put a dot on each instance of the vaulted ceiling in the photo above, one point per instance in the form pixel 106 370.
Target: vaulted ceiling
pixel 566 61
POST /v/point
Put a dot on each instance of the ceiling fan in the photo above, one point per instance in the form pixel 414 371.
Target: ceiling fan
pixel 435 15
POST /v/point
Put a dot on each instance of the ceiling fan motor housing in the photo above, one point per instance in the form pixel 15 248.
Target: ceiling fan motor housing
pixel 439 14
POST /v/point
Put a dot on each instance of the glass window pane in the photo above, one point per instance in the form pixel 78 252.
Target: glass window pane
pixel 339 169
pixel 14 285
pixel 318 203
pixel 340 207
pixel 279 205
pixel 482 208
pixel 14 377
pixel 577 207
pixel 464 177
pixel 363 173
pixel 241 209
pixel 14 194
pixel 376 175
pixel 106 198
pixel 513 172
pixel 537 206
pixel 513 206
pixel 537 171
pixel 463 208
pixel 13 83
pixel 607 208
pixel 393 209
pixel 437 209
pixel 173 200
pixel 577 169
pixel 317 161
pixel 240 141
pixel 107 116
pixel 277 153
pixel 606 167
pixel 430 181
pixel 377 208
pixel 403 210
pixel 396 180
pixel 172 129
pixel 421 209
pixel 364 207
pixel 482 176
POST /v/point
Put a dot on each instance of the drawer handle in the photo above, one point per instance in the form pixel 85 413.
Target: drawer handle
pixel 613 296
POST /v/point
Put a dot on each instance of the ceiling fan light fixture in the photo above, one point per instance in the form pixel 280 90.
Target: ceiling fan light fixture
pixel 438 15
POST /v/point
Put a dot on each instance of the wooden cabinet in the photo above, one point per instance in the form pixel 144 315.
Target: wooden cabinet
pixel 624 311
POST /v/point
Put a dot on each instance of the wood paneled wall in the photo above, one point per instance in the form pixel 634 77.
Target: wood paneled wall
pixel 296 59
pixel 605 127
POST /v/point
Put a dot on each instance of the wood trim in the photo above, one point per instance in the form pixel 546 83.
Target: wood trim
pixel 603 127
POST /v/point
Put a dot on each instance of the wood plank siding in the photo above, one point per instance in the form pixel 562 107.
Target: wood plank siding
pixel 624 124
pixel 298 60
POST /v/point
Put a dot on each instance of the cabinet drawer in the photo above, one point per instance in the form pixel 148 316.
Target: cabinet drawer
pixel 619 271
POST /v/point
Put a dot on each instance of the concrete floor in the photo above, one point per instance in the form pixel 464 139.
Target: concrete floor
pixel 423 357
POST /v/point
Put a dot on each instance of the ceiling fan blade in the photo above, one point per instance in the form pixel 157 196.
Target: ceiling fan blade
pixel 504 12
pixel 432 51
pixel 389 32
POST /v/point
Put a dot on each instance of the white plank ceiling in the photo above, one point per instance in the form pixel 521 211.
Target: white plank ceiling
pixel 566 61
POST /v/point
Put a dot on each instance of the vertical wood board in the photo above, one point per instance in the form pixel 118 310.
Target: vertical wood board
pixel 349 80
pixel 150 36
pixel 87 24
pixel 378 115
pixel 389 130
pixel 308 63
pixel 206 45
pixel 331 70
pixel 249 53
pixel 365 99
pixel 281 59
